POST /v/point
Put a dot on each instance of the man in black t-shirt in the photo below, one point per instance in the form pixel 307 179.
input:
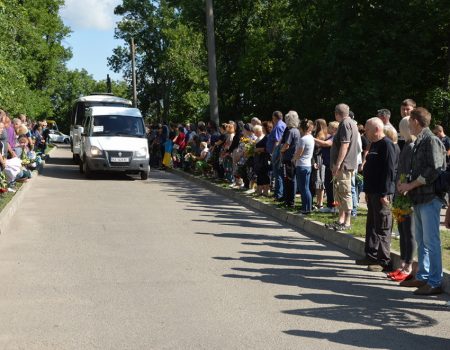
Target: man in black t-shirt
pixel 379 187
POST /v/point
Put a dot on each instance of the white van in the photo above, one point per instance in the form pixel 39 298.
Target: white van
pixel 78 116
pixel 114 139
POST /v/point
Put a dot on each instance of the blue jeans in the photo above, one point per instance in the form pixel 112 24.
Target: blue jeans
pixel 426 220
pixel 277 173
pixel 303 174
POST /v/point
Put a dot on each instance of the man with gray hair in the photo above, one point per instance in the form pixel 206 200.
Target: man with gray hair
pixel 344 154
pixel 385 116
pixel 379 187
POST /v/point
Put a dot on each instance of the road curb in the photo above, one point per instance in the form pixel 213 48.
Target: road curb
pixel 11 208
pixel 311 228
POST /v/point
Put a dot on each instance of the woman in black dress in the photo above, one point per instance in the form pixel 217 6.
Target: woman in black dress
pixel 261 165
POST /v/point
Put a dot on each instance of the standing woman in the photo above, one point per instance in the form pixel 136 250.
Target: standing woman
pixel 303 160
pixel 225 154
pixel 318 171
pixel 179 144
pixel 289 144
pixel 407 242
pixel 262 159
pixel 325 146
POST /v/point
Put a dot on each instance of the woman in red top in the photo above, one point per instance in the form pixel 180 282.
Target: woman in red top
pixel 179 146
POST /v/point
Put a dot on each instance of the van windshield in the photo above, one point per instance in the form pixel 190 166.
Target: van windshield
pixel 118 125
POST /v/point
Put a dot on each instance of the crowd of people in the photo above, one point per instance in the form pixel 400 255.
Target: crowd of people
pixel 329 165
pixel 22 146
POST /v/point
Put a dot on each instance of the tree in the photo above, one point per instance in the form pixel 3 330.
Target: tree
pixel 170 60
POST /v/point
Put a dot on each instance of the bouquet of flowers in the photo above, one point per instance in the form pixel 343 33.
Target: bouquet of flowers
pixel 3 183
pixel 402 204
pixel 202 167
pixel 248 146
pixel 30 160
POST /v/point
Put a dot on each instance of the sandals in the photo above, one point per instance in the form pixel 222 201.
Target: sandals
pixel 337 226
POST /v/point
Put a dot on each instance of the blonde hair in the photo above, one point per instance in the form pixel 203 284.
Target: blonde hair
pixel 390 132
pixel 404 130
pixel 334 125
pixel 257 128
pixel 22 130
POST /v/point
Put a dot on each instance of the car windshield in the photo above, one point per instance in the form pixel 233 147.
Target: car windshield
pixel 118 125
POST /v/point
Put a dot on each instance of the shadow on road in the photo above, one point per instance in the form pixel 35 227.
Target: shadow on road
pixel 65 168
pixel 341 291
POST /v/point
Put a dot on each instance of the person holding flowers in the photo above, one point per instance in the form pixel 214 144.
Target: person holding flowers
pixel 379 187
pixel 427 163
pixel 402 208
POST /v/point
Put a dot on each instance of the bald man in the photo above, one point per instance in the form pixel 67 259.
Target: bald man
pixel 379 187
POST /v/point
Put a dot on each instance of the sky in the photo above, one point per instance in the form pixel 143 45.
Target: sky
pixel 92 39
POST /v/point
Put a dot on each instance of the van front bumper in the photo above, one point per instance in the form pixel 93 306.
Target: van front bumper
pixel 103 164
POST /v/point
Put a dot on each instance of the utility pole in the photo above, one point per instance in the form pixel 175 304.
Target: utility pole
pixel 213 97
pixel 133 68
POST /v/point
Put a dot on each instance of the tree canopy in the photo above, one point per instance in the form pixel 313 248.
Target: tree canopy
pixel 288 54
pixel 34 78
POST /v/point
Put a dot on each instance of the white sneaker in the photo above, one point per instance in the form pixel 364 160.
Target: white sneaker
pixel 11 190
pixel 326 210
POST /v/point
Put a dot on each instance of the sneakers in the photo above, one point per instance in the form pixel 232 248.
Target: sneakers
pixel 337 226
pixel 375 268
pixel 401 276
pixel 379 268
pixel 393 273
pixel 428 290
pixel 342 227
pixel 326 210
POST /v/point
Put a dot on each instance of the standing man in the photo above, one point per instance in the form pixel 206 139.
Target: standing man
pixel 385 116
pixel 427 161
pixel 439 132
pixel 273 148
pixel 344 154
pixel 406 107
pixel 405 110
pixel 379 187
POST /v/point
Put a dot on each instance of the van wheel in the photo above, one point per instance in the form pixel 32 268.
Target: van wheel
pixel 145 174
pixel 81 166
pixel 87 171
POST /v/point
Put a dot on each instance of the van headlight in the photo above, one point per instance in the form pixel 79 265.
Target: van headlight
pixel 141 153
pixel 96 152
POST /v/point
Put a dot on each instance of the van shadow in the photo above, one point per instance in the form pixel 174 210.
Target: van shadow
pixel 65 168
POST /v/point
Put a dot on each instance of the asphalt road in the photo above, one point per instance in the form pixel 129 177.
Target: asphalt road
pixel 120 263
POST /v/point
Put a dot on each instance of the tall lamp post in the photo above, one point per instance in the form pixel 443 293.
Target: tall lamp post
pixel 213 98
pixel 133 68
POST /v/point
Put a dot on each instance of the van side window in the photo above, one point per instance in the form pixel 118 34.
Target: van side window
pixel 87 125
pixel 81 113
